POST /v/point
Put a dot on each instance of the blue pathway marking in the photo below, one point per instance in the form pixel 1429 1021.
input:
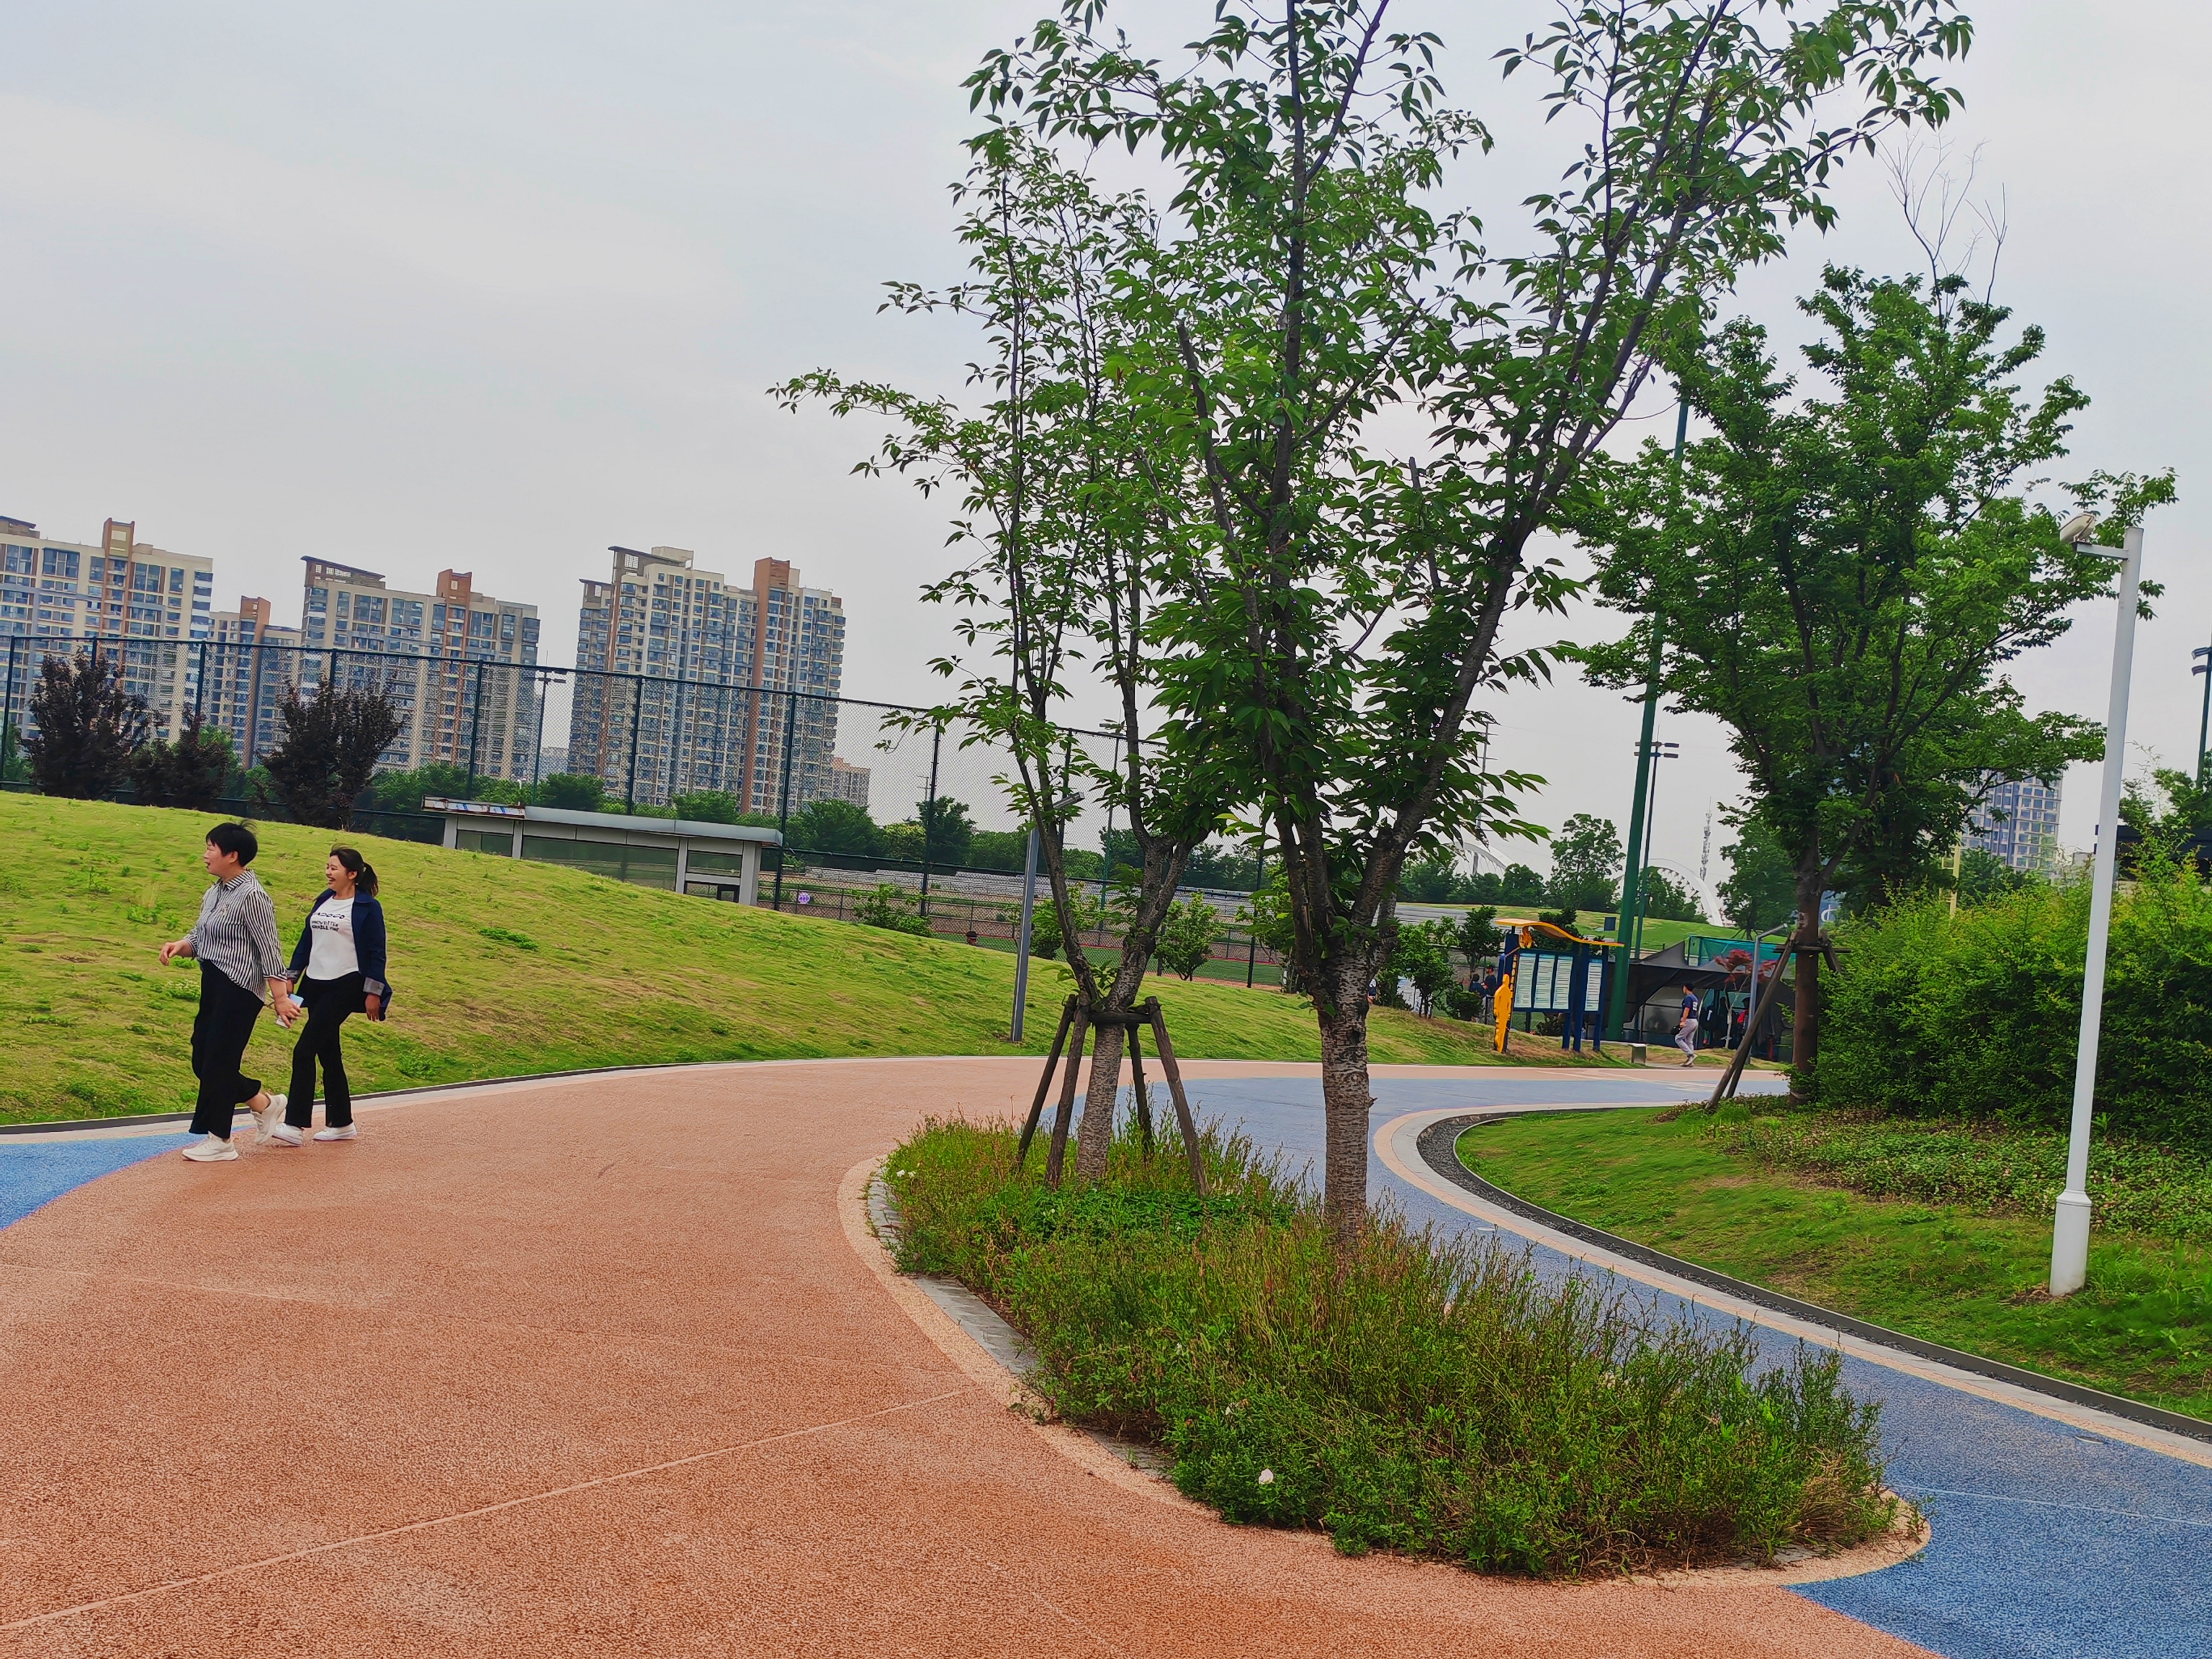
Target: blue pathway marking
pixel 2046 1541
pixel 34 1176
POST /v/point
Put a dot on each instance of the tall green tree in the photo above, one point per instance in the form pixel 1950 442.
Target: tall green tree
pixel 1586 863
pixel 87 726
pixel 1074 509
pixel 1761 889
pixel 1345 618
pixel 1841 573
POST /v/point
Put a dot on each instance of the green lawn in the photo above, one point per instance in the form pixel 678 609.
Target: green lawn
pixel 2142 1327
pixel 504 968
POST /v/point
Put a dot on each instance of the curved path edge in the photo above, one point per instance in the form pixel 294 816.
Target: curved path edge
pixel 1419 1148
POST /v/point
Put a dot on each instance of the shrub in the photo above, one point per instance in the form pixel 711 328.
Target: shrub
pixel 329 749
pixel 890 907
pixel 1187 935
pixel 190 772
pixel 1977 1015
pixel 573 791
pixel 1045 940
pixel 1438 1397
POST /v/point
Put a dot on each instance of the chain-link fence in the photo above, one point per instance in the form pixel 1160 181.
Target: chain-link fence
pixel 865 794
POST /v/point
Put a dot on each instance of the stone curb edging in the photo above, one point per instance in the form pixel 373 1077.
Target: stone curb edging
pixel 1438 1149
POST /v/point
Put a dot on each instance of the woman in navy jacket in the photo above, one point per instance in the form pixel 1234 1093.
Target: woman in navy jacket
pixel 341 951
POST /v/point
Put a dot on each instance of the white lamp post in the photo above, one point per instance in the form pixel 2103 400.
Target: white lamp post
pixel 2070 1235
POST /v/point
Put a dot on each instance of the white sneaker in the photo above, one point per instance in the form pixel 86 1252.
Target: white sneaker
pixel 284 1135
pixel 272 1119
pixel 344 1131
pixel 210 1149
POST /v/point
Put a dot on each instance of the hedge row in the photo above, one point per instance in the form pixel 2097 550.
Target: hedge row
pixel 1977 1015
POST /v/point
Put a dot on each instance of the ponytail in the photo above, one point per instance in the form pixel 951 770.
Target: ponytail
pixel 364 873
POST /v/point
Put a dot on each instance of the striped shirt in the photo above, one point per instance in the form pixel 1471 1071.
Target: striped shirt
pixel 236 933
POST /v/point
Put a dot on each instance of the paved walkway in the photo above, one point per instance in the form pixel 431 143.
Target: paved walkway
pixel 589 1367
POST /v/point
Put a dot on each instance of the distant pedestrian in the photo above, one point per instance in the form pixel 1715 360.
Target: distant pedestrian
pixel 235 942
pixel 1685 1033
pixel 341 951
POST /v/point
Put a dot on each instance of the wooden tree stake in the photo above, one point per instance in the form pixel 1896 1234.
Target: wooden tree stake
pixel 1166 1052
pixel 1065 1115
pixel 1044 1083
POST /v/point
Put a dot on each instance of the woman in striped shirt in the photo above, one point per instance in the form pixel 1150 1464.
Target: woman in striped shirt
pixel 234 941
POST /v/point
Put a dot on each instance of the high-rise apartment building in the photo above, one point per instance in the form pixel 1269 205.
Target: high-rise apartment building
pixel 696 684
pixel 460 663
pixel 147 605
pixel 2018 825
pixel 249 659
pixel 848 782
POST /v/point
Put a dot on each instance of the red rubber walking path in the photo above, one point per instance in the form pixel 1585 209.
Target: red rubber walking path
pixel 593 1366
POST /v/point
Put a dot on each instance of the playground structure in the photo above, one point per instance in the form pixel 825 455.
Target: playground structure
pixel 1545 969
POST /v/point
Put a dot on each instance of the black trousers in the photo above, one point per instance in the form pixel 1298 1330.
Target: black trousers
pixel 220 1032
pixel 329 1003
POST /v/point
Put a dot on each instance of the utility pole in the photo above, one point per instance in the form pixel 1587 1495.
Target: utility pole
pixel 783 797
pixel 929 817
pixel 1631 881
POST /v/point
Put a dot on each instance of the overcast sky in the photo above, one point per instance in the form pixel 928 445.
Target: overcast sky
pixel 494 286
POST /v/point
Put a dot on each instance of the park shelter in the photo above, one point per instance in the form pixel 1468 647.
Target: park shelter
pixel 677 855
pixel 1718 969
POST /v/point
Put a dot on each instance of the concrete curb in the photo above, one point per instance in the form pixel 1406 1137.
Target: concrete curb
pixel 1438 1149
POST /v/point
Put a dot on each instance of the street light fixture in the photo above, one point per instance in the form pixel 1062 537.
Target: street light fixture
pixel 2069 1232
pixel 2205 720
pixel 1649 751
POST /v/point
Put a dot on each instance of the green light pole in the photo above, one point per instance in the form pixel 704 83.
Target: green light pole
pixel 1631 879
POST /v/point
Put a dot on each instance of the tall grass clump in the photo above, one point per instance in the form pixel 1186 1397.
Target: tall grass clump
pixel 1977 1016
pixel 1429 1395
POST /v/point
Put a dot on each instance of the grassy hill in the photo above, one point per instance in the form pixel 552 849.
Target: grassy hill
pixel 504 968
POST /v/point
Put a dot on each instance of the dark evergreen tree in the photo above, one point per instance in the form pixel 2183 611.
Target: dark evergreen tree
pixel 88 727
pixel 328 750
pixel 190 772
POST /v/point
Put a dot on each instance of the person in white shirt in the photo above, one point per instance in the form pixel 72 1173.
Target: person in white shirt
pixel 338 968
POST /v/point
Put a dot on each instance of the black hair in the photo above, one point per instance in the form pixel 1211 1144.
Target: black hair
pixel 235 838
pixel 364 873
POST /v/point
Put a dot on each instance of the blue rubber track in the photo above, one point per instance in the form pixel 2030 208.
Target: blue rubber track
pixel 34 1176
pixel 2047 1541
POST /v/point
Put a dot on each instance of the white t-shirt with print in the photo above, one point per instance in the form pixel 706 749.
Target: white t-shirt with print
pixel 332 955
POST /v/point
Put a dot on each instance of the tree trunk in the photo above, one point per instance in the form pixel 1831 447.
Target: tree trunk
pixel 1094 1130
pixel 1346 1098
pixel 1805 1031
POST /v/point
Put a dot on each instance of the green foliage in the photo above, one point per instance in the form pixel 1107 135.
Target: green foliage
pixel 327 749
pixel 1222 867
pixel 1983 876
pixel 947 830
pixel 998 849
pixel 1662 898
pixel 190 772
pixel 1186 936
pixel 712 806
pixel 1585 861
pixel 1478 938
pixel 1761 890
pixel 893 908
pixel 1423 954
pixel 1433 878
pixel 2175 823
pixel 88 727
pixel 1438 1398
pixel 570 791
pixel 1089 911
pixel 1976 1015
pixel 1519 884
pixel 1843 576
pixel 834 826
pixel 405 792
